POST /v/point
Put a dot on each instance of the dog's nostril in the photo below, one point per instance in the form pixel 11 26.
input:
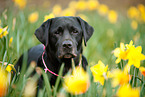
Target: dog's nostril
pixel 67 44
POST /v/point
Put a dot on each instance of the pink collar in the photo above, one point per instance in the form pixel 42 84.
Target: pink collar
pixel 46 69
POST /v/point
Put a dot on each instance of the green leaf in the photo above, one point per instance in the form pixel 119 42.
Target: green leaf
pixel 47 83
pixel 58 80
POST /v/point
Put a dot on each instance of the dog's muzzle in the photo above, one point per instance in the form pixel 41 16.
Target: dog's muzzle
pixel 67 50
pixel 67 44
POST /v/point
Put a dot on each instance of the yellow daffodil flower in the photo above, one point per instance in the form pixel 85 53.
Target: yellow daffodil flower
pixel 4 81
pixel 141 9
pixel 9 67
pixel 112 16
pixel 142 70
pixel 10 41
pixel 135 56
pixel 103 9
pixel 81 5
pixel 134 25
pixel 120 53
pixel 46 17
pixel 133 13
pixel 3 32
pixel 20 3
pixel 119 77
pixel 93 4
pixel 78 82
pixel 68 12
pixel 57 9
pixel 33 17
pixel 73 4
pixel 130 45
pixel 99 72
pixel 127 91
pixel 137 13
pixel 129 52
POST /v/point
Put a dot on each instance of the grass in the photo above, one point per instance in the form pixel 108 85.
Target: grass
pixel 105 39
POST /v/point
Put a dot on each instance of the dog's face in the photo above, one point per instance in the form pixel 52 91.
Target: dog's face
pixel 64 35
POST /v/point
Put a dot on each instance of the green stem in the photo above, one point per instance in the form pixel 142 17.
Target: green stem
pixel 134 79
pixel 122 64
pixel 58 80
pixel 138 78
pixel 4 57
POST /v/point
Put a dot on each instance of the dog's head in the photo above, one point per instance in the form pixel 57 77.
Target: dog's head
pixel 63 35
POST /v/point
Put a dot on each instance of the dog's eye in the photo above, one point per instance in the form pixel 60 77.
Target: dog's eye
pixel 57 32
pixel 75 32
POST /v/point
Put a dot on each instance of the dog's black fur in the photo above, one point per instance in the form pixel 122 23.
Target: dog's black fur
pixel 62 37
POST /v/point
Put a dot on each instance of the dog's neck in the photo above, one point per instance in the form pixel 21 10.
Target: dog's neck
pixel 56 62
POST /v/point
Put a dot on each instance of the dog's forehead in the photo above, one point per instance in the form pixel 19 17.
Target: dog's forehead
pixel 65 21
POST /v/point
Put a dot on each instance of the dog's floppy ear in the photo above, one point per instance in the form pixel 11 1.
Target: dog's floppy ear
pixel 87 30
pixel 42 33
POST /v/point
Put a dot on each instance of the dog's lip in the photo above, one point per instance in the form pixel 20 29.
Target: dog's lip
pixel 68 55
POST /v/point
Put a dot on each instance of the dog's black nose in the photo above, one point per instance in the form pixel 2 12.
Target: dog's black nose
pixel 67 44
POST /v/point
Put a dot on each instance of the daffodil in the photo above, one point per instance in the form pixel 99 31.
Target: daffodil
pixel 93 4
pixel 99 72
pixel 9 67
pixel 112 16
pixel 141 9
pixel 68 12
pixel 57 9
pixel 120 53
pixel 4 81
pixel 119 77
pixel 81 5
pixel 130 45
pixel 46 17
pixel 127 91
pixel 73 5
pixel 10 41
pixel 135 56
pixel 133 13
pixel 20 3
pixel 33 17
pixel 129 52
pixel 142 70
pixel 134 25
pixel 3 31
pixel 78 82
pixel 103 9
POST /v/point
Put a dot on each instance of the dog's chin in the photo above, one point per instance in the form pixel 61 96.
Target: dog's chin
pixel 67 56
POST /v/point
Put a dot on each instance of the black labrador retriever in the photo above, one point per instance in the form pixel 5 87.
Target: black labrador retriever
pixel 62 38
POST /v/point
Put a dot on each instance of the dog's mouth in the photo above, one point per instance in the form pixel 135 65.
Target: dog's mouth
pixel 67 56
